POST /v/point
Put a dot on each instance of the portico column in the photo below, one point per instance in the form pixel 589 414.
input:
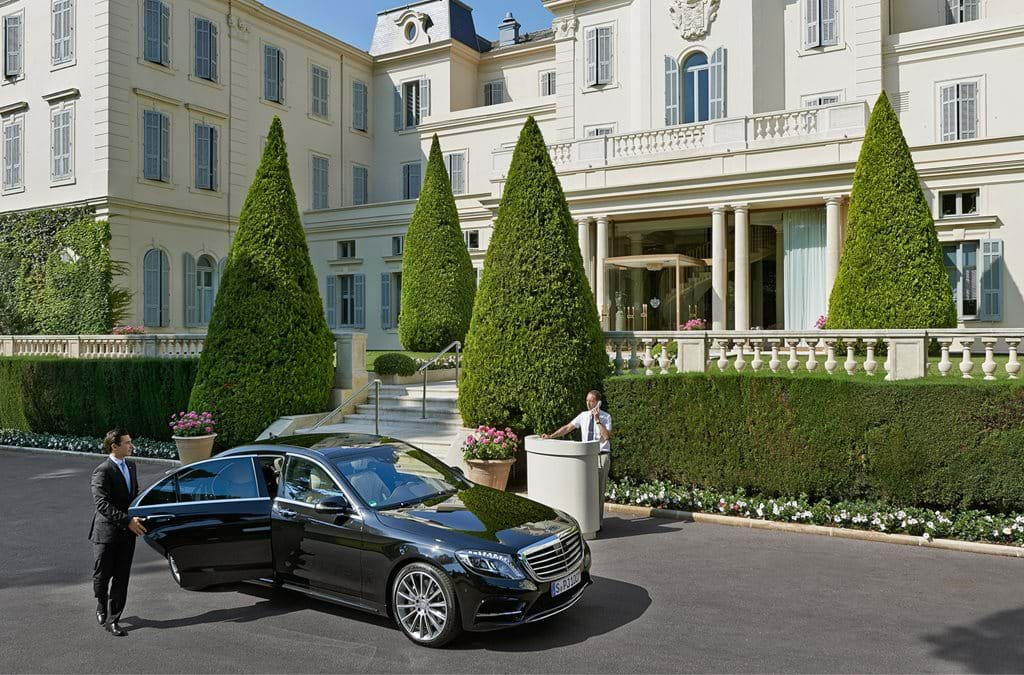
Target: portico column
pixel 719 269
pixel 742 243
pixel 601 284
pixel 583 228
pixel 780 279
pixel 636 247
pixel 833 210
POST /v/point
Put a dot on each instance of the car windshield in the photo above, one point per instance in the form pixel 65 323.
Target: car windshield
pixel 394 475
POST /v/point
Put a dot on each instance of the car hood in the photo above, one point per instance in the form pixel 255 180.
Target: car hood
pixel 484 513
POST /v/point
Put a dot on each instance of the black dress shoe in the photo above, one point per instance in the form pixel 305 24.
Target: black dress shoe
pixel 116 630
pixel 101 617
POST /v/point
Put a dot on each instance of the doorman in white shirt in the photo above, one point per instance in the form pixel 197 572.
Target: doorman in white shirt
pixel 594 425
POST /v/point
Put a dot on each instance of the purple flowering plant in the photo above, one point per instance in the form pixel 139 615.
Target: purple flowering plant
pixel 694 324
pixel 191 424
pixel 490 443
pixel 821 321
pixel 129 330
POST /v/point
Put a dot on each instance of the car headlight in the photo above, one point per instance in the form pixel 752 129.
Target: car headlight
pixel 491 563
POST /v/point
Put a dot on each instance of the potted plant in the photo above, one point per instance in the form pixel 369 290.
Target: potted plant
pixel 193 434
pixel 490 454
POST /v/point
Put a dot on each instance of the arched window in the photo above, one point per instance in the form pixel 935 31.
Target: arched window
pixel 695 88
pixel 206 272
pixel 156 289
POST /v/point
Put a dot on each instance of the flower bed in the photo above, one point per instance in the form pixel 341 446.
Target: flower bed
pixel 143 447
pixel 968 525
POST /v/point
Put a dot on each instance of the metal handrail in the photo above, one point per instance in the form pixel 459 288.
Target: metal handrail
pixel 423 369
pixel 347 401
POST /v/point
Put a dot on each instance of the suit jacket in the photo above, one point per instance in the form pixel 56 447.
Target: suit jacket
pixel 112 497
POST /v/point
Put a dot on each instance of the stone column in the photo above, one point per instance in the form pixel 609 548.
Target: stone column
pixel 719 269
pixel 833 245
pixel 742 243
pixel 636 247
pixel 583 228
pixel 601 284
pixel 780 277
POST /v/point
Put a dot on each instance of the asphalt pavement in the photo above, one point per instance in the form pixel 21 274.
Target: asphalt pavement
pixel 668 597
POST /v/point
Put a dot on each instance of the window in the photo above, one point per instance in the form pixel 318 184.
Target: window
pixel 201 279
pixel 394 474
pixel 821 23
pixel 397 245
pixel 360 185
pixel 976 283
pixel 472 239
pixel 548 83
pixel 156 143
pixel 410 31
pixel 164 492
pixel 606 130
pixel 157 32
pixel 346 249
pixel 308 483
pixel 321 91
pixel 156 289
pixel 219 479
pixel 959 203
pixel 14 152
pixel 818 100
pixel 412 104
pixel 360 107
pixel 390 299
pixel 62 139
pixel 273 74
pixel 321 182
pixel 695 89
pixel 63 32
pixel 14 46
pixel 456 164
pixel 959 11
pixel 959 105
pixel 411 180
pixel 206 157
pixel 206 50
pixel 345 300
pixel 600 56
pixel 494 92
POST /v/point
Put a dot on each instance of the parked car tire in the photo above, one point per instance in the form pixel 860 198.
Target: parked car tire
pixel 424 604
pixel 172 565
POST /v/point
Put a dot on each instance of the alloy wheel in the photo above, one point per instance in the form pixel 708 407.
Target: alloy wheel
pixel 421 606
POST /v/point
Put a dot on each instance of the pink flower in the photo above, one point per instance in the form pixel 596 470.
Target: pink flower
pixel 209 430
pixel 485 440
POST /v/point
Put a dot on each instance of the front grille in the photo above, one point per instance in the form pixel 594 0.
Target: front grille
pixel 554 557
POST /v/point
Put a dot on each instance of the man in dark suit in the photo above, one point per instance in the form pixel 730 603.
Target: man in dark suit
pixel 115 484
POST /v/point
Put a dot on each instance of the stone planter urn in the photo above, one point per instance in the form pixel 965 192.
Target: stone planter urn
pixel 194 448
pixel 490 472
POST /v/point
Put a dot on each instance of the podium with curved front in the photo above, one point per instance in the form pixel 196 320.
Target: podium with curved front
pixel 564 475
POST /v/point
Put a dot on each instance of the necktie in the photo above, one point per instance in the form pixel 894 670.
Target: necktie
pixel 124 472
pixel 593 429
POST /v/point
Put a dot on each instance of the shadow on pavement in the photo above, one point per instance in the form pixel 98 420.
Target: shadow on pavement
pixel 992 645
pixel 615 527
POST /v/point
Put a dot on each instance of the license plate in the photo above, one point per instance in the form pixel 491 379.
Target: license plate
pixel 565 583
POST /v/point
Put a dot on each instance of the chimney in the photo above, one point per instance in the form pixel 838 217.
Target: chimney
pixel 508 31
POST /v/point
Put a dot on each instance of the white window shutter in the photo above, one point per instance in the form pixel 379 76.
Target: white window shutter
pixel 829 22
pixel 591 46
pixel 385 300
pixel 332 301
pixel 360 300
pixel 12 44
pixel 605 55
pixel 971 10
pixel 948 104
pixel 424 99
pixel 191 292
pixel 812 25
pixel 398 108
pixel 716 102
pixel 991 280
pixel 671 91
pixel 151 288
pixel 969 110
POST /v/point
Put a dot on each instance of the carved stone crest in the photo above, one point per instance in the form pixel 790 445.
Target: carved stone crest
pixel 566 27
pixel 693 18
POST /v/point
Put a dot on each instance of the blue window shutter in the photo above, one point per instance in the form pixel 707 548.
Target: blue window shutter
pixel 360 304
pixel 165 148
pixel 165 290
pixel 332 301
pixel 213 52
pixel 153 11
pixel 716 104
pixel 385 300
pixel 398 108
pixel 424 99
pixel 280 77
pixel 165 34
pixel 202 48
pixel 991 280
pixel 202 157
pixel 213 159
pixel 271 65
pixel 152 123
pixel 218 272
pixel 191 291
pixel 151 288
pixel 671 91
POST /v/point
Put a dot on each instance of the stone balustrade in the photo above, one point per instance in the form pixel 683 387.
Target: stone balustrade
pixel 168 346
pixel 967 353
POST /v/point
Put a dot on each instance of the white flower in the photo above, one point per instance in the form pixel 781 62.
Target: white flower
pixel 927 536
pixel 1007 531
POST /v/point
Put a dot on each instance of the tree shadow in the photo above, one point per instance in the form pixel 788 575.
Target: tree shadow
pixel 993 644
pixel 615 527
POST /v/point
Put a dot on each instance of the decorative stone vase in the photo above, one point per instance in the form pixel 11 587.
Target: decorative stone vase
pixel 194 448
pixel 490 472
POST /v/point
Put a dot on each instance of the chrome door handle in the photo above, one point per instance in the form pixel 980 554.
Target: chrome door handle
pixel 159 518
pixel 286 513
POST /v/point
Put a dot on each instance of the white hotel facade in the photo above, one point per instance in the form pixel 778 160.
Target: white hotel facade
pixel 706 147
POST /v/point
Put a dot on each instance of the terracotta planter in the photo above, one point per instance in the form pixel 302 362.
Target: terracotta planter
pixel 194 448
pixel 490 472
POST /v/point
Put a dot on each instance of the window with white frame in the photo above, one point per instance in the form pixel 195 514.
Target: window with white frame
pixel 273 74
pixel 360 185
pixel 156 28
pixel 14 45
pixel 548 83
pixel 321 182
pixel 411 180
pixel 156 291
pixel 156 145
pixel 820 23
pixel 472 239
pixel 14 152
pixel 62 142
pixel 320 78
pixel 397 245
pixel 63 32
pixel 959 11
pixel 206 49
pixel 412 103
pixel 345 299
pixel 961 203
pixel 975 274
pixel 494 92
pixel 600 56
pixel 346 249
pixel 206 155
pixel 390 299
pixel 455 162
pixel 695 90
pixel 819 100
pixel 360 106
pixel 958 104
pixel 201 280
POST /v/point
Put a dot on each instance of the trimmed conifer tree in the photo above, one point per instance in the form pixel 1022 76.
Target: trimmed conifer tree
pixel 891 273
pixel 535 346
pixel 438 280
pixel 268 352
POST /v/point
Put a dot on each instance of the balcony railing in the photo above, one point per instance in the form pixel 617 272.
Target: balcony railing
pixel 167 346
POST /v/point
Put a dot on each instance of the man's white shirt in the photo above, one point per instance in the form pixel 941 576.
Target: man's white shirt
pixel 582 422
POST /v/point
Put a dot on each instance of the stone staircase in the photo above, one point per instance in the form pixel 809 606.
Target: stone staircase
pixel 401 409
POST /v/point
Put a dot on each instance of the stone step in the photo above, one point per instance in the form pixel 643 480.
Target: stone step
pixel 435 441
pixel 444 424
pixel 405 406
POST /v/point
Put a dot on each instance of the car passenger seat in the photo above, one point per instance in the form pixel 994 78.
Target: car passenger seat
pixel 370 487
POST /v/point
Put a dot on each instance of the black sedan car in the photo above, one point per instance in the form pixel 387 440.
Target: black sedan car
pixel 372 523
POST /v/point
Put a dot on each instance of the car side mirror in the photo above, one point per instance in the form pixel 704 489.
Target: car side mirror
pixel 333 505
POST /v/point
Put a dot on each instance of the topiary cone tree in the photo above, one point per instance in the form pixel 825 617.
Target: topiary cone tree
pixel 891 273
pixel 535 346
pixel 268 351
pixel 438 280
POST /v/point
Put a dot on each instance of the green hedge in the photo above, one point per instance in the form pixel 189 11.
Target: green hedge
pixel 920 443
pixel 395 363
pixel 86 397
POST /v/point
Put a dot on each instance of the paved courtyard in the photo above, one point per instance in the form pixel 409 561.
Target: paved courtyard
pixel 668 597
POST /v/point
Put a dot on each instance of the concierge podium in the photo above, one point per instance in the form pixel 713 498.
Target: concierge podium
pixel 564 475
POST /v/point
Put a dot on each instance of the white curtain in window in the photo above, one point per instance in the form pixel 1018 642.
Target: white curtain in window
pixel 804 241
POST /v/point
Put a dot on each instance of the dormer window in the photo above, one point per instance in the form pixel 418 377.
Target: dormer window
pixel 410 31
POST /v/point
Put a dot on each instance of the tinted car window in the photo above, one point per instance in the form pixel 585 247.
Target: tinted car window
pixel 391 476
pixel 162 493
pixel 224 479
pixel 307 482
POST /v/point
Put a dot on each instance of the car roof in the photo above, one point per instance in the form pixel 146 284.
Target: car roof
pixel 327 445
